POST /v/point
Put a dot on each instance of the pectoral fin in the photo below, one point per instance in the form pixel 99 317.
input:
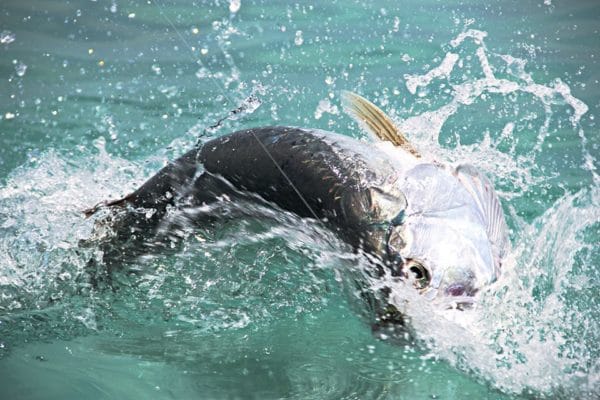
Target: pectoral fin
pixel 373 120
pixel 386 205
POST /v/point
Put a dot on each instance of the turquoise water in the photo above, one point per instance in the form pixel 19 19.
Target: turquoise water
pixel 95 96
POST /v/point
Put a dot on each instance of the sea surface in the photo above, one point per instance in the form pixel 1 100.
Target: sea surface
pixel 97 95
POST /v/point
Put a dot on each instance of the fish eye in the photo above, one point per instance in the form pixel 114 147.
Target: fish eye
pixel 420 274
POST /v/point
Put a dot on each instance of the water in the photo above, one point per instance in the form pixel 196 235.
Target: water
pixel 95 96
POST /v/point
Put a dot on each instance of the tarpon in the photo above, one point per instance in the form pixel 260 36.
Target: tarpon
pixel 440 226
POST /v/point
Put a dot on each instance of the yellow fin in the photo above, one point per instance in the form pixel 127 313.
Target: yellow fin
pixel 371 118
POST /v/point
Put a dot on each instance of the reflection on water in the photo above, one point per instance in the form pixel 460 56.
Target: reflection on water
pixel 269 307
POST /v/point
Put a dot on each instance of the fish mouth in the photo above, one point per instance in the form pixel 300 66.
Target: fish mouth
pixel 451 297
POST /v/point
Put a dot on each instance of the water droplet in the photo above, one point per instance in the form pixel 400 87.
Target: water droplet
pixel 298 40
pixel 21 68
pixel 202 73
pixel 131 15
pixel 169 91
pixel 234 5
pixel 9 115
pixel 7 37
pixel 325 106
pixel 396 24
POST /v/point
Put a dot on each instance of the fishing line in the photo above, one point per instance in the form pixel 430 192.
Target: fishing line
pixel 189 47
pixel 236 111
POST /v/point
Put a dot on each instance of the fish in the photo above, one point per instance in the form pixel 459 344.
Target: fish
pixel 438 226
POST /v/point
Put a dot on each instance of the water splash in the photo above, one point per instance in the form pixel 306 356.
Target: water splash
pixel 218 281
pixel 41 224
pixel 466 89
pixel 535 331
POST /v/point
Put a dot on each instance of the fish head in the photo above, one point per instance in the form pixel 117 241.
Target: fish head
pixel 443 259
pixel 443 242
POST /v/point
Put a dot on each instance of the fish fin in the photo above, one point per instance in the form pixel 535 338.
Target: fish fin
pixel 372 119
pixel 387 204
pixel 482 191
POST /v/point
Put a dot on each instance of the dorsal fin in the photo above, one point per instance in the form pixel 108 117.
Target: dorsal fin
pixel 482 191
pixel 372 119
